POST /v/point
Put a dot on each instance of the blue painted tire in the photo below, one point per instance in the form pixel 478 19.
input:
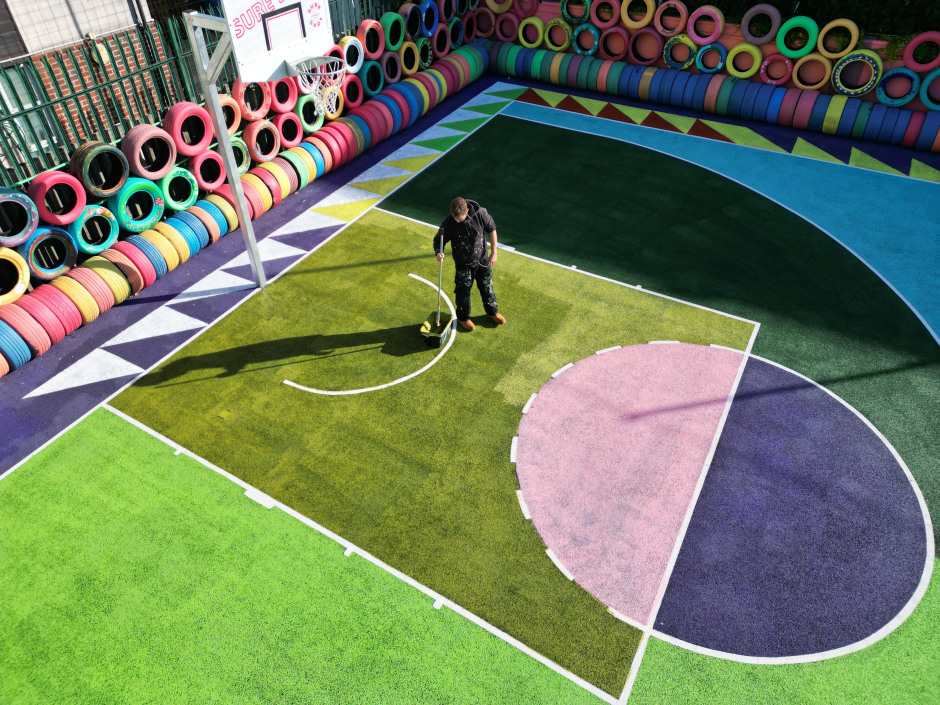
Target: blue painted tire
pixel 873 126
pixel 818 114
pixel 928 131
pixel 366 134
pixel 186 232
pixel 151 253
pixel 55 242
pixel 773 108
pixel 119 203
pixel 216 214
pixel 849 113
pixel 678 89
pixel 414 108
pixel 13 347
pixel 761 101
pixel 904 119
pixel 655 84
pixel 722 53
pixel 925 98
pixel 595 35
pixel 317 157
pixel 701 88
pixel 885 99
pixel 74 230
pixel 197 226
pixel 887 125
pixel 750 97
pixel 430 17
pixel 736 97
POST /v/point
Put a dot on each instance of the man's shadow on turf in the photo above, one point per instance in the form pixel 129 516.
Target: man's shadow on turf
pixel 398 342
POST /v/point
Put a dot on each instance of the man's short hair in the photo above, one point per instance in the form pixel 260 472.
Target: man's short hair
pixel 458 206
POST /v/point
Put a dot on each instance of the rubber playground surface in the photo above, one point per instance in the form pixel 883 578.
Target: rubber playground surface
pixel 698 464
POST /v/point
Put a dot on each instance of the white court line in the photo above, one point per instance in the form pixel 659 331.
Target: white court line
pixel 558 564
pixel 562 370
pixel 635 287
pixel 750 187
pixel 528 404
pixel 680 537
pixel 523 505
pixel 610 349
pixel 450 341
pixel 512 449
pixel 351 548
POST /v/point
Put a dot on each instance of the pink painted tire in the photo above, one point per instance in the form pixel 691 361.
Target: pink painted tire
pixel 440 40
pixel 28 328
pixel 212 227
pixel 209 170
pixel 606 49
pixel 269 180
pixel 711 93
pixel 150 151
pixel 290 130
pixel 283 95
pixel 372 36
pixel 285 166
pixel 908 56
pixel 137 258
pixel 683 11
pixel 485 22
pixel 711 12
pixel 352 91
pixel 762 9
pixel 598 21
pixel 44 315
pixel 94 285
pixel 635 58
pixel 61 306
pixel 469 28
pixel 59 197
pixel 231 112
pixel 127 267
pixel 190 127
pixel 788 106
pixel 262 139
pixel 765 65
pixel 507 27
pixel 255 201
pixel 225 193
pixel 913 128
pixel 259 107
pixel 804 109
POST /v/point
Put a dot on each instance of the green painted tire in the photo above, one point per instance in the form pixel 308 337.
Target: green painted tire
pixel 138 206
pixel 557 22
pixel 571 19
pixel 800 22
pixel 179 188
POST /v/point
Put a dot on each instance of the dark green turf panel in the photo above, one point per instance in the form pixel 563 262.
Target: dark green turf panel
pixel 417 474
pixel 639 216
pixel 133 575
pixel 901 668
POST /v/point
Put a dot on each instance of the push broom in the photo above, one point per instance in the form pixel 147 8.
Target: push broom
pixel 435 334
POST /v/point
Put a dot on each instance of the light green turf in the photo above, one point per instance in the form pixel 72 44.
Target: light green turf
pixel 417 474
pixel 132 575
pixel 900 669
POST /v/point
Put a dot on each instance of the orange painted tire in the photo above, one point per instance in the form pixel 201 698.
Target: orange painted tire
pixel 260 101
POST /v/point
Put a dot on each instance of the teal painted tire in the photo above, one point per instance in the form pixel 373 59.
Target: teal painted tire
pixel 49 252
pixel 595 36
pixel 95 230
pixel 138 206
pixel 179 188
pixel 571 19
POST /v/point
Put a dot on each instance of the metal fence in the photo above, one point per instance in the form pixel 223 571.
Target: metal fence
pixel 53 102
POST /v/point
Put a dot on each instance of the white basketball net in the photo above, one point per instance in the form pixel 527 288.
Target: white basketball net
pixel 322 77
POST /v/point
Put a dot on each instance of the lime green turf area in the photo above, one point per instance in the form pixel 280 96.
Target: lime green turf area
pixel 639 216
pixel 417 474
pixel 901 668
pixel 133 575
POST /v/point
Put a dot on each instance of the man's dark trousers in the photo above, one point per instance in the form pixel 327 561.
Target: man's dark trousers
pixel 464 277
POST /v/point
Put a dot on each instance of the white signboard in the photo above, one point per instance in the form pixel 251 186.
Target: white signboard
pixel 266 33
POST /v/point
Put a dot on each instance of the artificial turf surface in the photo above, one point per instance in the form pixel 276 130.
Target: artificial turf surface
pixel 130 574
pixel 417 474
pixel 901 668
pixel 638 216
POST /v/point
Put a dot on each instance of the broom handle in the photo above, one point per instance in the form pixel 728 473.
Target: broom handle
pixel 440 275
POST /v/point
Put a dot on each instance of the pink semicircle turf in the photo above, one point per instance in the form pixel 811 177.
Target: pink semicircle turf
pixel 608 458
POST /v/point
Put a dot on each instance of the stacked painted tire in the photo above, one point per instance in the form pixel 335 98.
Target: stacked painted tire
pixel 720 94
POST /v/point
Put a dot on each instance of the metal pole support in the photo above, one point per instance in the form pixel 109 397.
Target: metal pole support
pixel 208 68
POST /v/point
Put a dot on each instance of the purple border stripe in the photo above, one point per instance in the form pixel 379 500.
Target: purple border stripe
pixel 808 535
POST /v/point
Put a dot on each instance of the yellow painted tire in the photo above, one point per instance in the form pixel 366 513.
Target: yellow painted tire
pixel 22 275
pixel 827 65
pixel 281 177
pixel 744 48
pixel 79 295
pixel 166 250
pixel 231 217
pixel 175 239
pixel 339 101
pixel 112 276
pixel 637 24
pixel 853 32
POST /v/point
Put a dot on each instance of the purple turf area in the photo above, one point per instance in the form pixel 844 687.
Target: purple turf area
pixel 808 535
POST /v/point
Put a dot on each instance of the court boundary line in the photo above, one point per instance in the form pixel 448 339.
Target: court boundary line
pixel 350 548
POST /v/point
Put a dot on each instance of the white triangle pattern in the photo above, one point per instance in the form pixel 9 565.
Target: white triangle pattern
pixel 97 366
pixel 308 220
pixel 347 194
pixel 268 249
pixel 380 171
pixel 163 321
pixel 409 151
pixel 219 282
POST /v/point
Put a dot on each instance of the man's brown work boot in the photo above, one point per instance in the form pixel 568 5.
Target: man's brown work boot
pixel 498 319
pixel 467 325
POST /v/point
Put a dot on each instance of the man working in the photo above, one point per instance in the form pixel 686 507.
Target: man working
pixel 464 229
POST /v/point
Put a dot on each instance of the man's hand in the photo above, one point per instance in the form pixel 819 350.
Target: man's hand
pixel 440 256
pixel 493 258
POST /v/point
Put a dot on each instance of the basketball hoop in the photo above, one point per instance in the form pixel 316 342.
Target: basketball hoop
pixel 322 77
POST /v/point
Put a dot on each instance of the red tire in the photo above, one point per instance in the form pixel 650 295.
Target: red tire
pixel 59 197
pixel 127 267
pixel 352 91
pixel 29 329
pixel 209 170
pixel 137 258
pixel 190 127
pixel 372 36
pixel 44 315
pixel 262 139
pixel 61 306
pixel 150 151
pixel 260 105
pixel 255 202
pixel 225 192
pixel 337 152
pixel 231 112
pixel 292 180
pixel 290 130
pixel 270 181
pixel 283 95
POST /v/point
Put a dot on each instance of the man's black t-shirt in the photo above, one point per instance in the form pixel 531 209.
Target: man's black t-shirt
pixel 467 242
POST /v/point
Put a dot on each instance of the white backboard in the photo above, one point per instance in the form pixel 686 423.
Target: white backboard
pixel 266 33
